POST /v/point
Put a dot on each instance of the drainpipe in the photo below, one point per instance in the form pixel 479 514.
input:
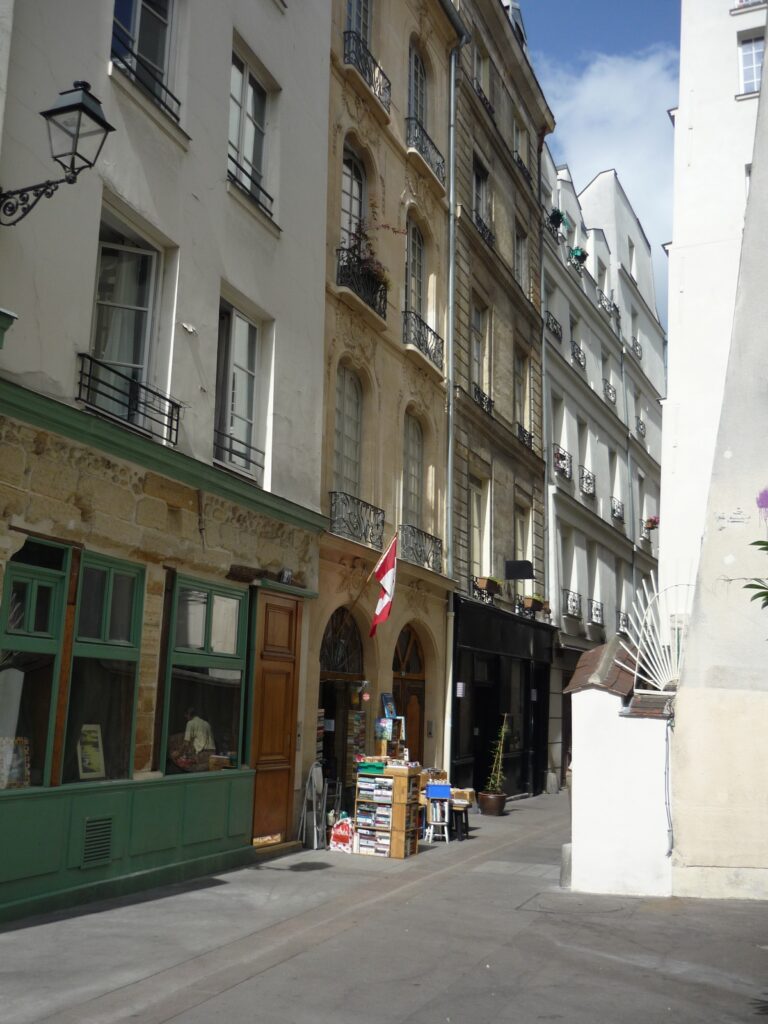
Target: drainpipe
pixel 545 436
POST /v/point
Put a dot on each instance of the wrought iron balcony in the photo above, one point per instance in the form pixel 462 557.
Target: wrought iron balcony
pixel 576 258
pixel 147 77
pixel 364 276
pixel 520 609
pixel 604 302
pixel 482 97
pixel 484 401
pixel 236 453
pixel 417 138
pixel 553 325
pixel 487 235
pixel 421 548
pixel 480 593
pixel 523 167
pixel 117 394
pixel 571 603
pixel 587 484
pixel 617 509
pixel 356 519
pixel 616 312
pixel 525 437
pixel 554 230
pixel 595 612
pixel 562 461
pixel 244 180
pixel 637 349
pixel 357 54
pixel 622 622
pixel 418 333
pixel 578 354
pixel 640 426
pixel 609 391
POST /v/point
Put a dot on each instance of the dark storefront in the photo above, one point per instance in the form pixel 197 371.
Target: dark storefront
pixel 501 664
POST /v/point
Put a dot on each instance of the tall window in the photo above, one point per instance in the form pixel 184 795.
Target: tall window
pixel 348 431
pixel 480 202
pixel 631 257
pixel 415 292
pixel 751 53
pixel 601 275
pixel 521 258
pixel 522 538
pixel 352 198
pixel 247 125
pixel 478 526
pixel 239 437
pixel 521 388
pixel 479 345
pixel 482 65
pixel 413 472
pixel 520 141
pixel 359 18
pixel 141 35
pixel 417 88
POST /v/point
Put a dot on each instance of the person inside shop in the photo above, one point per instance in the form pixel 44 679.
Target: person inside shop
pixel 198 733
pixel 189 751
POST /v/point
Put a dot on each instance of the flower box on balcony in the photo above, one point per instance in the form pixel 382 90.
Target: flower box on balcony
pixel 489 584
pixel 533 603
pixel 651 523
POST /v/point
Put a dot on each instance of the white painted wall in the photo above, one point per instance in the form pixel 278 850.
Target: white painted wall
pixel 619 824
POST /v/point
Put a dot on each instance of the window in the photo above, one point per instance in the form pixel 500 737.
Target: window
pixel 352 199
pixel 98 743
pixel 521 258
pixel 631 257
pixel 141 39
pixel 573 323
pixel 478 526
pixel 751 56
pixel 601 275
pixel 520 141
pixel 415 277
pixel 479 346
pixel 413 472
pixel 247 128
pixel 482 70
pixel 520 413
pixel 359 18
pixel 240 429
pixel 522 539
pixel 204 701
pixel 417 88
pixel 480 192
pixel 347 433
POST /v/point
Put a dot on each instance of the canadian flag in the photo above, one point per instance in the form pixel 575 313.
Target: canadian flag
pixel 384 571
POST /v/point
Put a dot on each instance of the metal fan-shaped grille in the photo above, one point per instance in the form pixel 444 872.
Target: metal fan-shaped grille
pixel 657 632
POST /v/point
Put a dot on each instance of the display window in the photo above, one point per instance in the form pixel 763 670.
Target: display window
pixel 206 669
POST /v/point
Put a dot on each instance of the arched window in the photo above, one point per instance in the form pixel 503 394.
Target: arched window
pixel 415 285
pixel 417 88
pixel 341 652
pixel 352 198
pixel 359 18
pixel 347 433
pixel 413 472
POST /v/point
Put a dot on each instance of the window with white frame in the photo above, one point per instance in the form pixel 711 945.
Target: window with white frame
pixel 478 526
pixel 482 68
pixel 417 88
pixel 520 141
pixel 751 59
pixel 239 434
pixel 522 539
pixel 521 258
pixel 347 432
pixel 352 198
pixel 141 46
pixel 480 194
pixel 520 388
pixel 479 345
pixel 413 472
pixel 415 291
pixel 631 257
pixel 359 13
pixel 247 130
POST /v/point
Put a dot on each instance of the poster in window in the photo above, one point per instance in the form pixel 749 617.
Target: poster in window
pixel 90 753
pixel 388 705
pixel 14 762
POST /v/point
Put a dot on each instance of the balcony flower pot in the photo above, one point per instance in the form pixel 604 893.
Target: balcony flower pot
pixel 556 217
pixel 492 799
pixel 533 603
pixel 651 523
pixel 489 584
pixel 579 255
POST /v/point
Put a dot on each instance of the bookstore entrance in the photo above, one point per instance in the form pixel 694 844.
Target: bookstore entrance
pixel 408 689
pixel 341 689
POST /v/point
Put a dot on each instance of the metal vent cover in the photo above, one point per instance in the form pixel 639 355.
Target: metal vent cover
pixel 97 842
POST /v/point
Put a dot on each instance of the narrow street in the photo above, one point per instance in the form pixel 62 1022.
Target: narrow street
pixel 473 932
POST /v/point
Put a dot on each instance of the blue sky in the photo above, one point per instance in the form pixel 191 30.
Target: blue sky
pixel 609 72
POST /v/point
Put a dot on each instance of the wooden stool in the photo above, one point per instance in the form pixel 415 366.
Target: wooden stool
pixel 460 821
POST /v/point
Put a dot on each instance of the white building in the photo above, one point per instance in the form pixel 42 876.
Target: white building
pixel 603 379
pixel 721 55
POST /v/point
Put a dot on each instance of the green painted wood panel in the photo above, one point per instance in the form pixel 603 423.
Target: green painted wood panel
pixel 155 820
pixel 33 834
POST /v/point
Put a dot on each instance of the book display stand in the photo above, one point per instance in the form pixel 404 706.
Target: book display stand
pixel 387 811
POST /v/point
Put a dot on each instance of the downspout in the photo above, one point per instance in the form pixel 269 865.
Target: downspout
pixel 545 436
pixel 6 34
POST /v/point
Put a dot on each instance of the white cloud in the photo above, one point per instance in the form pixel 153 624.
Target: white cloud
pixel 611 112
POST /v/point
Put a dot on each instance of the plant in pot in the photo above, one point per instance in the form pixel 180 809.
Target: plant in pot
pixel 535 602
pixel 491 584
pixel 492 799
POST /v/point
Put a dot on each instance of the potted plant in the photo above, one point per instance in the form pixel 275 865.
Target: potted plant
pixel 492 799
pixel 535 602
pixel 651 523
pixel 556 217
pixel 490 584
pixel 579 255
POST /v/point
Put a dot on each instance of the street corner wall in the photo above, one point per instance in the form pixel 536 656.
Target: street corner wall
pixel 619 822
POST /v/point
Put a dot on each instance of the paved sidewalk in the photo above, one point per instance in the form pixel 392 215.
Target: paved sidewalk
pixel 470 932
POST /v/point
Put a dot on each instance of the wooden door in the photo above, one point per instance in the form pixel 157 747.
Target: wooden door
pixel 273 733
pixel 409 701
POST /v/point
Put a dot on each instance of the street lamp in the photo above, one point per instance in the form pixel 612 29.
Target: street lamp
pixel 77 131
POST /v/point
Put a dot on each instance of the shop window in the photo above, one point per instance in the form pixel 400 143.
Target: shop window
pixel 204 702
pixel 98 741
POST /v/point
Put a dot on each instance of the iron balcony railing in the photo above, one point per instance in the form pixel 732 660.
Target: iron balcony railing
pixel 622 622
pixel 586 482
pixel 645 531
pixel 484 401
pixel 356 519
pixel 417 138
pixel 553 325
pixel 237 453
pixel 617 509
pixel 562 461
pixel 578 354
pixel 520 609
pixel 640 426
pixel 524 436
pixel 595 612
pixel 604 302
pixel 246 181
pixel 487 235
pixel 139 70
pixel 357 54
pixel 418 333
pixel 482 96
pixel 575 261
pixel 363 276
pixel 572 603
pixel 421 548
pixel 523 168
pixel 609 391
pixel 480 593
pixel 117 394
pixel 637 349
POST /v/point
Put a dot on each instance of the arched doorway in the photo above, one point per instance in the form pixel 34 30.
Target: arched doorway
pixel 341 678
pixel 408 686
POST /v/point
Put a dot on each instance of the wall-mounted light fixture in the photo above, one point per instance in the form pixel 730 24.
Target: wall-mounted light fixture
pixel 77 131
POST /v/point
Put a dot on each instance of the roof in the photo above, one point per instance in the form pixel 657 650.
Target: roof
pixel 597 670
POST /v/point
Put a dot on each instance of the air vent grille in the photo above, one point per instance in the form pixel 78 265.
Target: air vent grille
pixel 97 842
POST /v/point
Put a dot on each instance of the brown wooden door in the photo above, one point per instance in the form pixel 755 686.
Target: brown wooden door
pixel 409 701
pixel 273 735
